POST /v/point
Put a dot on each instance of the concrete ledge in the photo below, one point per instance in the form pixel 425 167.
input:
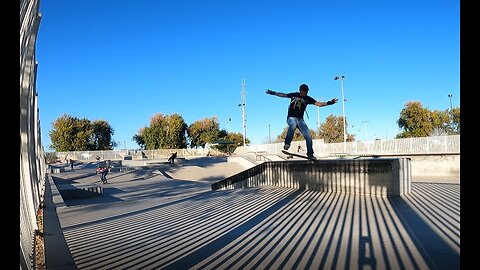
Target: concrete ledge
pixel 121 169
pixel 379 177
pixel 57 170
pixel 241 160
pixel 78 191
pixel 57 253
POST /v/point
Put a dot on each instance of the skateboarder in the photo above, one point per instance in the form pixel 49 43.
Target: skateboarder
pixel 103 169
pixel 172 157
pixel 298 104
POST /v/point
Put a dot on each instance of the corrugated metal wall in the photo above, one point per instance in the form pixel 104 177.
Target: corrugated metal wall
pixel 32 162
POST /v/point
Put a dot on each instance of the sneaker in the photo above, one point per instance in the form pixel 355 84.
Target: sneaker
pixel 312 157
pixel 286 146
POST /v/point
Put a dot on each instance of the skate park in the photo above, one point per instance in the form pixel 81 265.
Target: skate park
pixel 226 213
pixel 253 209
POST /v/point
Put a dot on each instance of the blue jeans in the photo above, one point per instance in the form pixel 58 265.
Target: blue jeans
pixel 294 122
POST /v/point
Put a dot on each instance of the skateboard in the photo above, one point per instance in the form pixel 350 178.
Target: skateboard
pixel 291 155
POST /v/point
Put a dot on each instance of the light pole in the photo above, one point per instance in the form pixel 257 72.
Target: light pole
pixel 450 96
pixel 342 78
pixel 244 119
pixel 451 109
pixel 366 130
pixel 228 125
pixel 269 138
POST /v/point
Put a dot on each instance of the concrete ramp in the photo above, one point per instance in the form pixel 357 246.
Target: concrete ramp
pixel 385 177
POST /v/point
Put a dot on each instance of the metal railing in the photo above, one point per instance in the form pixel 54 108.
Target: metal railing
pixel 133 154
pixel 406 146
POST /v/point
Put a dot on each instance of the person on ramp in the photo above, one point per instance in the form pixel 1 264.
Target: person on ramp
pixel 298 104
pixel 103 173
pixel 172 158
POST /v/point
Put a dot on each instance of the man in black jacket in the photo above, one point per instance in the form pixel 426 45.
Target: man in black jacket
pixel 298 104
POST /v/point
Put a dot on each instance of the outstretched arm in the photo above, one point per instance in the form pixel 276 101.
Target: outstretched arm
pixel 330 102
pixel 278 94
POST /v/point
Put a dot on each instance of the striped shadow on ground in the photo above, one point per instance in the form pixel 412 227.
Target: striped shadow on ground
pixel 277 228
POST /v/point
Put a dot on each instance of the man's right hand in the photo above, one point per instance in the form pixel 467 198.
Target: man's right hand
pixel 270 92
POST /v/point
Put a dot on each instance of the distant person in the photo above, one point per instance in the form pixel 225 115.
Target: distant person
pixel 71 163
pixel 172 158
pixel 298 104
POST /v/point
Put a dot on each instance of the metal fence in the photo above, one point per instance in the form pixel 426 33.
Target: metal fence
pixel 132 154
pixel 32 162
pixel 406 146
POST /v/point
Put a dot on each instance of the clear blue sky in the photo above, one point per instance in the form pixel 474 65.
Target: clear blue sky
pixel 125 61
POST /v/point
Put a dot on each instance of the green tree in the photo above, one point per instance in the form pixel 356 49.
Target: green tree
pixel 415 120
pixel 175 132
pixel 139 138
pixel 71 133
pixel 331 131
pixel 153 134
pixel 62 133
pixel 297 136
pixel 235 137
pixel 203 131
pixel 455 121
pixel 440 123
pixel 101 138
pixel 445 122
pixel 164 132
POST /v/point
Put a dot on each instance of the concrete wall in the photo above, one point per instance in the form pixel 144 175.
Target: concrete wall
pixel 386 177
pixel 422 165
pixel 435 165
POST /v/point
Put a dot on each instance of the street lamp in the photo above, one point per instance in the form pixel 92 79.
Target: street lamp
pixel 342 78
pixel 450 96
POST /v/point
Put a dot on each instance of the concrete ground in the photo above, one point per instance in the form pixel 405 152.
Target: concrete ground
pixel 167 217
